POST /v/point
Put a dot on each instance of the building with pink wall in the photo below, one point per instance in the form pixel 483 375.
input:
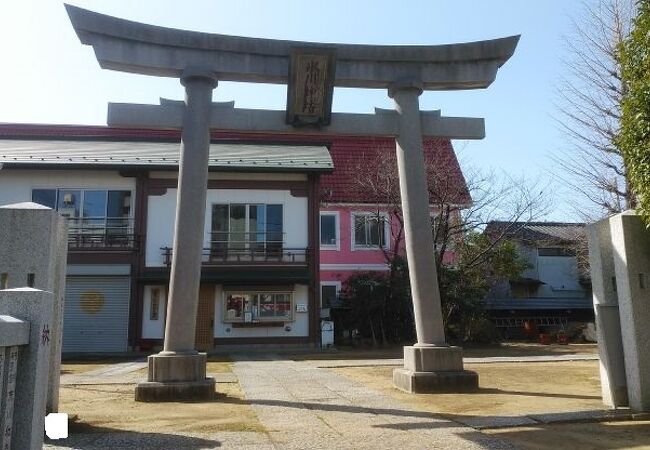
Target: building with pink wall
pixel 359 230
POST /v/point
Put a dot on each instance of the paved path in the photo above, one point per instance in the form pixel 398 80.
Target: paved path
pixel 118 373
pixel 303 406
pixel 329 363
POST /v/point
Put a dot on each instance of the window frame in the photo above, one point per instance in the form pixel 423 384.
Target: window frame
pixel 336 284
pixel 353 244
pixel 82 190
pixel 155 313
pixel 256 318
pixel 337 231
pixel 247 233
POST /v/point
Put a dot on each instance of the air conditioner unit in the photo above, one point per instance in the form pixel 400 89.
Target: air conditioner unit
pixel 68 199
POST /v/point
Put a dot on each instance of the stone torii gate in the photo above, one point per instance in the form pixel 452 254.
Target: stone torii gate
pixel 310 70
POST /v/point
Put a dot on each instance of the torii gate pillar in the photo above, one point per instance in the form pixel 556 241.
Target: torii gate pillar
pixel 430 364
pixel 179 371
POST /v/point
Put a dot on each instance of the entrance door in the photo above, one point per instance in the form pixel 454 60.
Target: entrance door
pixel 205 318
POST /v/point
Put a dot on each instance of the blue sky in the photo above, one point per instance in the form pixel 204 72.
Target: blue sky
pixel 49 77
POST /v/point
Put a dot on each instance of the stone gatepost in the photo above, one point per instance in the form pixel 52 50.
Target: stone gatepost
pixel 23 423
pixel 33 253
pixel 631 251
pixel 608 325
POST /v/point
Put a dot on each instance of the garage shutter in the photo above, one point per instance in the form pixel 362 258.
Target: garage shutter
pixel 96 314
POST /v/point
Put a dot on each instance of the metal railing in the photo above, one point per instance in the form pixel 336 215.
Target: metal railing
pixel 101 233
pixel 519 322
pixel 269 255
pixel 246 239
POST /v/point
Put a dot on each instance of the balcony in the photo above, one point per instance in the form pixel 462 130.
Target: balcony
pixel 248 249
pixel 101 234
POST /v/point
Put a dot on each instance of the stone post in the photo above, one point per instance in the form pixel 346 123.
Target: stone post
pixel 34 240
pixel 608 325
pixel 178 372
pixel 31 382
pixel 631 251
pixel 430 364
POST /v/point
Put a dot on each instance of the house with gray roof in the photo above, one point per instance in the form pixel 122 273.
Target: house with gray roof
pixel 555 289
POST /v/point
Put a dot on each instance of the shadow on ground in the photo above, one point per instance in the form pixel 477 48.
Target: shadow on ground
pixel 356 410
pixel 86 436
pixel 446 420
pixel 597 436
pixel 535 394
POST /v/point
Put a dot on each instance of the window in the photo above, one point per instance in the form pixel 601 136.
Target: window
pixel 329 294
pixel 369 230
pixel 45 197
pixel 89 210
pixel 258 306
pixel 246 227
pixel 94 210
pixel 155 304
pixel 329 230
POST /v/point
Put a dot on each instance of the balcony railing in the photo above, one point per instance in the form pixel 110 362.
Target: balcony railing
pixel 101 233
pixel 268 255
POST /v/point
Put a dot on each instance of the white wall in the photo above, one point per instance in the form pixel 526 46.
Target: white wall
pixel 560 273
pixel 299 325
pixel 154 329
pixel 16 185
pixel 161 211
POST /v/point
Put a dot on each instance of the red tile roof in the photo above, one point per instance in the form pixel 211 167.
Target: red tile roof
pixel 356 158
pixel 353 156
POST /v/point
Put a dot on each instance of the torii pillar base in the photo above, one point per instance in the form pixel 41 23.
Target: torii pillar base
pixel 176 377
pixel 434 369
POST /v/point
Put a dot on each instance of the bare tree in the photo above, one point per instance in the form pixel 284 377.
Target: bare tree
pixel 513 201
pixel 589 95
pixel 467 259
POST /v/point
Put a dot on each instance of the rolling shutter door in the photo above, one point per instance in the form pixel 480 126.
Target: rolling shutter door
pixel 96 314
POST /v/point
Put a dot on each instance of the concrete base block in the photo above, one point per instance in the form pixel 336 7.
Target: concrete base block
pixel 434 369
pixel 174 367
pixel 426 382
pixel 176 377
pixel 151 391
pixel 433 359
